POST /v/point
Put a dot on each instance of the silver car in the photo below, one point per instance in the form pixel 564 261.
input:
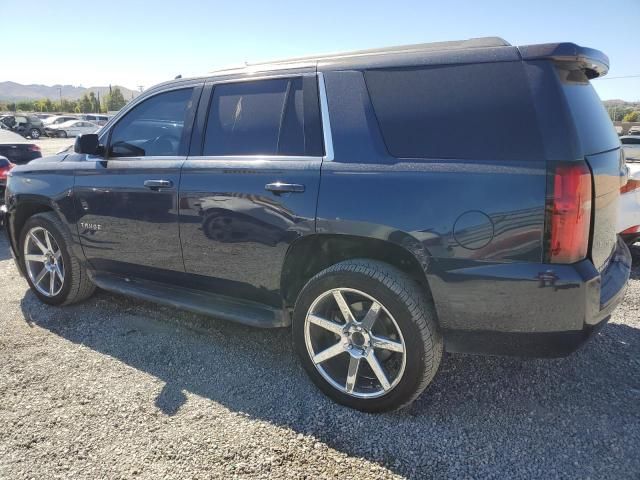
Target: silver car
pixel 72 128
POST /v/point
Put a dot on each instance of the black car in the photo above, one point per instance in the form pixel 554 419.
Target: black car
pixel 334 195
pixel 17 149
pixel 25 125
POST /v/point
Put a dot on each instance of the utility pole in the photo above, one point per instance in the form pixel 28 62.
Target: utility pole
pixel 60 95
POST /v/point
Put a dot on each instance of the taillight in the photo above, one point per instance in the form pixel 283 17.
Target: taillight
pixel 569 208
pixel 4 170
pixel 632 184
pixel 34 148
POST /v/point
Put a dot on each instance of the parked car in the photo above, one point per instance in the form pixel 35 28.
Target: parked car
pixel 94 118
pixel 631 147
pixel 72 128
pixel 629 217
pixel 17 149
pixel 335 195
pixel 25 125
pixel 58 119
pixel 635 130
pixel 5 167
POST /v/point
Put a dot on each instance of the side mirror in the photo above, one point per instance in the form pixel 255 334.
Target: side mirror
pixel 87 143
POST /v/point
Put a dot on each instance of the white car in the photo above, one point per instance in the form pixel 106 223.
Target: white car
pixel 58 119
pixel 629 217
pixel 72 128
pixel 631 147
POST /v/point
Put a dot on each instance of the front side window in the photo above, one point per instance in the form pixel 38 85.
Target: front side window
pixel 153 127
pixel 265 117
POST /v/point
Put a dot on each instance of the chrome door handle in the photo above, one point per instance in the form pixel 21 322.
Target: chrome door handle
pixel 278 188
pixel 158 184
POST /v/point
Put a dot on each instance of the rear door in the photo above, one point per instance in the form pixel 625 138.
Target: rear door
pixel 250 187
pixel 127 202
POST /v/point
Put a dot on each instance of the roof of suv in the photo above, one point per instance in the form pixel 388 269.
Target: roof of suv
pixel 474 50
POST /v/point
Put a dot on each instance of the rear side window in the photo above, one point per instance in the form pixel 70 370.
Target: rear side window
pixel 266 117
pixel 630 141
pixel 478 111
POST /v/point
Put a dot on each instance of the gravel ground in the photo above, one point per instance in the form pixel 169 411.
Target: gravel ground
pixel 116 388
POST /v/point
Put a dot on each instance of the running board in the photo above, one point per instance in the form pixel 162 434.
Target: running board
pixel 218 306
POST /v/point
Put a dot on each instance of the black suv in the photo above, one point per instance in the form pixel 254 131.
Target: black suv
pixel 25 125
pixel 336 195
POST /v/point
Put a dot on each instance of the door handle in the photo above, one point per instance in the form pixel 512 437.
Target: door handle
pixel 158 184
pixel 278 188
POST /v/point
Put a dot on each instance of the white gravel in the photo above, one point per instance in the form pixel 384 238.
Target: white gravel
pixel 116 388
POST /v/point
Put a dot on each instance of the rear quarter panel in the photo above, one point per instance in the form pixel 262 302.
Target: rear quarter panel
pixel 454 216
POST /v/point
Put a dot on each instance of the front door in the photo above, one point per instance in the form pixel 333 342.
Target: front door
pixel 252 188
pixel 127 202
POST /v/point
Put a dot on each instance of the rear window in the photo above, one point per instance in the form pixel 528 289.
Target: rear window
pixel 479 111
pixel 266 117
pixel 630 141
pixel 593 124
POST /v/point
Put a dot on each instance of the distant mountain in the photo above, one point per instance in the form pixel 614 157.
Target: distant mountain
pixel 12 91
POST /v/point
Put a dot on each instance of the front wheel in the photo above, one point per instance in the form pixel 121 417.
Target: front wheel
pixel 34 133
pixel 62 134
pixel 54 274
pixel 367 335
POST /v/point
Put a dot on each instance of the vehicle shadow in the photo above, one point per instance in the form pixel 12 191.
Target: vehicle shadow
pixel 486 416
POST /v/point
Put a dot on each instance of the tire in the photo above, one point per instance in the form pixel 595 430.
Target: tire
pixel 405 316
pixel 71 282
pixel 34 133
pixel 62 134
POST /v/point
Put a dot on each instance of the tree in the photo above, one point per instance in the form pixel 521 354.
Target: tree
pixel 25 106
pixel 114 100
pixel 632 117
pixel 85 104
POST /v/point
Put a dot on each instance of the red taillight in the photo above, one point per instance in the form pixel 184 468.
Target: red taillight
pixel 631 185
pixel 635 229
pixel 5 170
pixel 34 148
pixel 570 211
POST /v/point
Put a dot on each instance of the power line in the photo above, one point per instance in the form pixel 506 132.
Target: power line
pixel 621 76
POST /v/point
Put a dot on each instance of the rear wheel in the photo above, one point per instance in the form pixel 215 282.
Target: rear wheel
pixel 53 272
pixel 367 335
pixel 34 133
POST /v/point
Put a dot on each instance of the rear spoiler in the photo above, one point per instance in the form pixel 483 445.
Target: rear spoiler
pixel 594 63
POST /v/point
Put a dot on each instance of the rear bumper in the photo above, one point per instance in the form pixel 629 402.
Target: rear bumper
pixel 535 310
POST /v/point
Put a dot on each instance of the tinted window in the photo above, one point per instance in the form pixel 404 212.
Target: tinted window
pixel 630 141
pixel 593 124
pixel 267 117
pixel 154 127
pixel 421 112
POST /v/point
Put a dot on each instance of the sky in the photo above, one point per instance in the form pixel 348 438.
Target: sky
pixel 130 43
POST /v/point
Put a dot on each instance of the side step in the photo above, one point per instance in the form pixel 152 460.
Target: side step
pixel 218 306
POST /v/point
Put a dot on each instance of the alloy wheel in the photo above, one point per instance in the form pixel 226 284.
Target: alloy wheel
pixel 355 343
pixel 44 262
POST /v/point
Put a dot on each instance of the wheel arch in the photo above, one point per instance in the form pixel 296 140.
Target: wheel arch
pixel 311 254
pixel 21 211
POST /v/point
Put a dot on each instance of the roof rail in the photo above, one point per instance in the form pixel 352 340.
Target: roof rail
pixel 485 42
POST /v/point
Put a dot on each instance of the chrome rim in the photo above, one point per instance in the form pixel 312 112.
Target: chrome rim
pixel 355 343
pixel 35 134
pixel 44 263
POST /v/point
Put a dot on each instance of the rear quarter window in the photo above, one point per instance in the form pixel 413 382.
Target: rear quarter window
pixel 593 124
pixel 478 111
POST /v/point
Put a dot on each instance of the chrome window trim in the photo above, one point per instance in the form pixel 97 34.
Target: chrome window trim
pixel 326 123
pixel 253 158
